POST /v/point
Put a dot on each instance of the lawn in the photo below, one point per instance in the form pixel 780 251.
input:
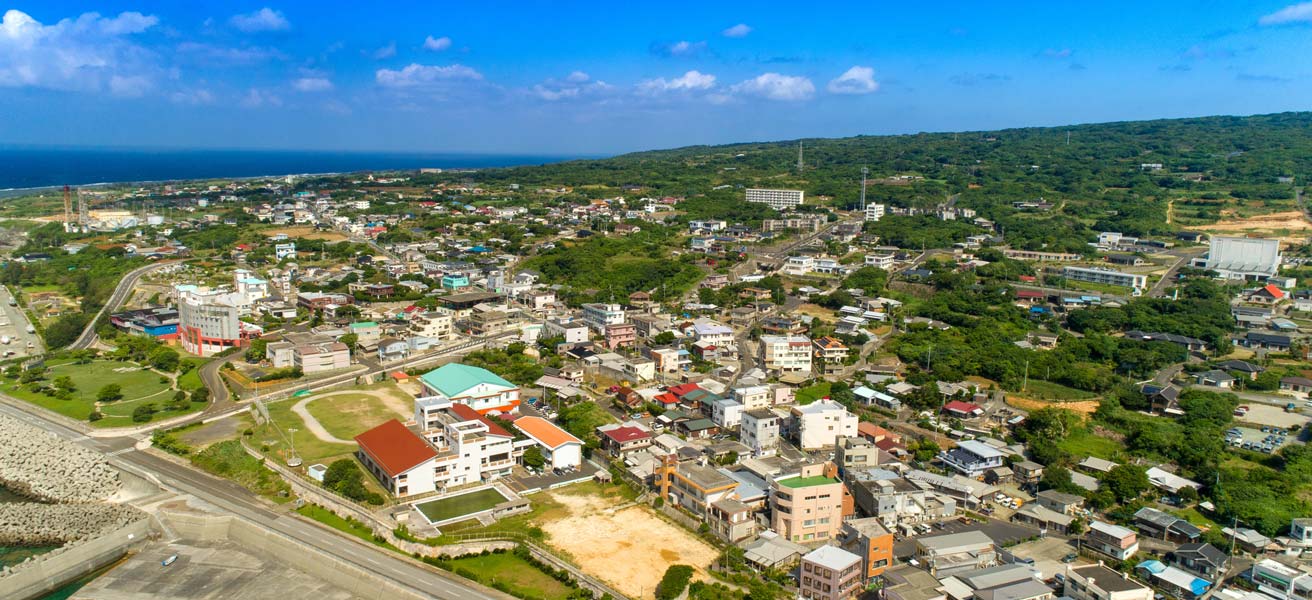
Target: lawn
pixel 351 527
pixel 813 392
pixel 1082 443
pixel 443 509
pixel 348 415
pixel 511 573
pixel 309 447
pixel 1047 390
pixel 229 460
pixel 139 386
pixel 191 379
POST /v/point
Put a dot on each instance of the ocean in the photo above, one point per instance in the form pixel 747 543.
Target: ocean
pixel 35 167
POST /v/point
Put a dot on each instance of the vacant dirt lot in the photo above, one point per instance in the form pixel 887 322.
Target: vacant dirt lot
pixel 1291 221
pixel 1085 407
pixel 308 233
pixel 629 548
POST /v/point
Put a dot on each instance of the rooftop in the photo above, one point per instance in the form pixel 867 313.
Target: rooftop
pixel 395 448
pixel 454 379
pixel 805 482
pixel 832 557
pixel 545 432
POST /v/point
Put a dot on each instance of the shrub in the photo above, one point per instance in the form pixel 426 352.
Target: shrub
pixel 144 413
pixel 674 581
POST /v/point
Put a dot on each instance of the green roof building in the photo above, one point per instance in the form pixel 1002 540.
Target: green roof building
pixel 475 387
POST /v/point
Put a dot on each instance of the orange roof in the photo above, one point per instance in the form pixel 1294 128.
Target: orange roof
pixel 545 432
pixel 1274 291
pixel 465 412
pixel 399 375
pixel 394 448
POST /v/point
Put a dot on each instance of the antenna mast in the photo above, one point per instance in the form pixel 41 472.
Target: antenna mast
pixel 68 209
pixel 799 157
pixel 864 171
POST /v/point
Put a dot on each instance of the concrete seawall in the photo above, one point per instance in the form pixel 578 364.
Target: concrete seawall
pixel 49 573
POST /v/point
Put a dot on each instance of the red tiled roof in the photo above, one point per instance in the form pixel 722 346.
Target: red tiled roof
pixel 1274 291
pixel 1028 294
pixel 399 375
pixel 682 388
pixel 626 434
pixel 667 398
pixel 959 406
pixel 394 448
pixel 469 414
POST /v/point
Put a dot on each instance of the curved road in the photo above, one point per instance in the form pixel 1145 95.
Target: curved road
pixel 228 496
pixel 116 300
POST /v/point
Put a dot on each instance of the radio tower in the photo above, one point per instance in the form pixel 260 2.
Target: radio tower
pixel 864 171
pixel 799 157
pixel 68 209
pixel 81 208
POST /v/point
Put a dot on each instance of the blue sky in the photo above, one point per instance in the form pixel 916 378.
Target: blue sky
pixel 599 78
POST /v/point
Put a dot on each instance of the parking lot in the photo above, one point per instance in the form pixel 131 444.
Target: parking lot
pixel 1268 441
pixel 1275 416
pixel 1048 554
pixel 13 325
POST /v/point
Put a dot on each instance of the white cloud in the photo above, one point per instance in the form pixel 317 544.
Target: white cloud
pixel 737 31
pixel 856 80
pixel 255 98
pixel 690 81
pixel 437 44
pixel 312 84
pixel 1294 13
pixel 224 56
pixel 774 86
pixel 90 53
pixel 680 49
pixel 265 19
pixel 387 51
pixel 575 85
pixel 196 96
pixel 414 75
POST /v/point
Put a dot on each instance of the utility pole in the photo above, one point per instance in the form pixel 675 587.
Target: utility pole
pixel 1026 382
pixel 864 171
pixel 799 157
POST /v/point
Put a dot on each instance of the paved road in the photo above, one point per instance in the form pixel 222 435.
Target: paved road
pixel 1183 256
pixel 15 326
pixel 230 497
pixel 116 300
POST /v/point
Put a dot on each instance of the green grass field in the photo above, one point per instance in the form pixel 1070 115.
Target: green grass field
pixel 1082 443
pixel 1047 390
pixel 811 393
pixel 511 573
pixel 309 447
pixel 456 506
pixel 329 518
pixel 348 415
pixel 139 386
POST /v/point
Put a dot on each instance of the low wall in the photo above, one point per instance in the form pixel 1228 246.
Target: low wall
pixel 358 582
pixel 49 573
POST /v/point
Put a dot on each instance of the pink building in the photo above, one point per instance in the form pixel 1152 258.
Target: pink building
pixel 620 335
pixel 829 573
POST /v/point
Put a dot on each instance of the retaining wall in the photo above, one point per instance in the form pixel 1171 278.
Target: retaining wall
pixel 49 573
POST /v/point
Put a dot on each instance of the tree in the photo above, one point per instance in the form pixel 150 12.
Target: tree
pixel 674 581
pixel 64 382
pixel 663 338
pixel 143 413
pixel 345 478
pixel 350 339
pixel 533 458
pixel 257 350
pixel 1127 482
pixel 165 359
pixel 64 330
pixel 109 393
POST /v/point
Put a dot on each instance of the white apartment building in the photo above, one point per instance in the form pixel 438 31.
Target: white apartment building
pixel 325 356
pixel 819 423
pixel 598 315
pixel 799 265
pixel 874 212
pixel 759 430
pixel 437 324
pixel 574 332
pixel 712 332
pixel 478 388
pixel 726 413
pixel 1097 582
pixel 209 322
pixel 1278 580
pixel 882 261
pixel 776 199
pixel 250 288
pixel 455 446
pixel 753 397
pixel 1106 276
pixel 786 353
pixel 287 250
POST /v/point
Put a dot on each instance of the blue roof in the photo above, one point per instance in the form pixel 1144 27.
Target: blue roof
pixel 1152 566
pixel 454 379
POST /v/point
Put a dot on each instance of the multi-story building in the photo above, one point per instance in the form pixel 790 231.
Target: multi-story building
pixel 830 349
pixel 694 487
pixel 1097 582
pixel 786 353
pixel 618 440
pixel 759 430
pixel 798 266
pixel 807 507
pixel 561 449
pixel 456 446
pixel 801 224
pixel 1106 277
pixel 670 361
pixel 953 553
pixel 852 453
pixel 597 315
pixel 324 356
pixel 869 539
pixel 437 324
pixel 1113 540
pixel 776 199
pixel 159 323
pixel 574 332
pixel 478 388
pixel 209 322
pixel 731 520
pixel 820 423
pixel 883 261
pixel 972 458
pixel 621 335
pixel 874 212
pixel 711 332
pixel 1242 258
pixel 320 301
pixel 829 573
pixel 725 412
pixel 1281 581
pixel 753 397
